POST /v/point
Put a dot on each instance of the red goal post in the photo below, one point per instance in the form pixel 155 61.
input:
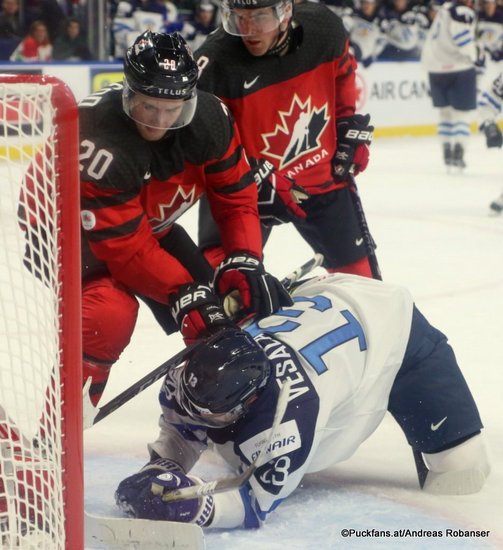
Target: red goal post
pixel 41 449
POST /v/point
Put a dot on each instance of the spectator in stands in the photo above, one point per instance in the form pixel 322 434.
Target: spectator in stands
pixel 47 11
pixel 11 25
pixel 72 44
pixel 12 29
pixel 36 46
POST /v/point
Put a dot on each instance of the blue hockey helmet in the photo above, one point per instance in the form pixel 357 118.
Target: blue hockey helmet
pixel 161 66
pixel 219 382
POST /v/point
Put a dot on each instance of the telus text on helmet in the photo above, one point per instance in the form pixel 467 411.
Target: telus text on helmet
pixel 240 3
pixel 167 91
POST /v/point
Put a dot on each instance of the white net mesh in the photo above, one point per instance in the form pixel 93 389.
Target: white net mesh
pixel 31 487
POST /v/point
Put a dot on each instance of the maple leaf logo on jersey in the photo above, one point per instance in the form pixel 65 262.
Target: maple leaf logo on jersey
pixel 298 133
pixel 172 210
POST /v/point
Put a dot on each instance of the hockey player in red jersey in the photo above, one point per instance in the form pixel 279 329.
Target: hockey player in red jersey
pixel 286 74
pixel 149 149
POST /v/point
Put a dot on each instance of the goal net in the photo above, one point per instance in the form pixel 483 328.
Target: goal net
pixel 41 459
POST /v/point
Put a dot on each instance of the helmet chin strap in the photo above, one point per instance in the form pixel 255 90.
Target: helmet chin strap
pixel 282 43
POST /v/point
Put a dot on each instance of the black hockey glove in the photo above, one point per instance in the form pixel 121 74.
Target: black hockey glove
pixel 197 311
pixel 278 196
pixel 141 495
pixel 259 292
pixel 494 138
pixel 354 135
pixel 497 55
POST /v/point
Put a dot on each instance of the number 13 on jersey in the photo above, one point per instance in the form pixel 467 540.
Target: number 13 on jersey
pixel 319 344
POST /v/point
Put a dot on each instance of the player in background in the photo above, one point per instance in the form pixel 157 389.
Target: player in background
pixel 354 348
pixel 489 108
pixel 425 14
pixel 490 29
pixel 366 37
pixel 449 56
pixel 401 29
pixel 286 73
pixel 149 149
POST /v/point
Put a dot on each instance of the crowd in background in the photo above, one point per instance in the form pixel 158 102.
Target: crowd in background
pixel 44 30
pixel 193 19
pixel 397 29
pixel 379 29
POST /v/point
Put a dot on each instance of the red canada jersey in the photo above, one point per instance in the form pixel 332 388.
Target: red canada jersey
pixel 286 107
pixel 133 190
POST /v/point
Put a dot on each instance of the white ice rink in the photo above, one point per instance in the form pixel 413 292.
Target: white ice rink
pixel 435 236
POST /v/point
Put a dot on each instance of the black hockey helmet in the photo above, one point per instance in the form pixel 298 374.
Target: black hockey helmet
pixel 218 383
pixel 162 66
pixel 232 23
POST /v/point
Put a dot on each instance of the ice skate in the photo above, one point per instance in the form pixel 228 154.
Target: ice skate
pixel 448 158
pixel 497 206
pixel 458 156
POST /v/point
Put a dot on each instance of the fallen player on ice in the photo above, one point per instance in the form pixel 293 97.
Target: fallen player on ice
pixel 353 348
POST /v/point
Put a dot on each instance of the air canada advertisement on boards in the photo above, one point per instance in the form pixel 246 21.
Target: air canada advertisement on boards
pixel 395 94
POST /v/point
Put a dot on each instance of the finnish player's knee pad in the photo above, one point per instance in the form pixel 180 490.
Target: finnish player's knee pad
pixel 460 470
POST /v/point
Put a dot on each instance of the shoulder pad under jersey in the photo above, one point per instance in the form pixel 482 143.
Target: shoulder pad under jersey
pixel 209 134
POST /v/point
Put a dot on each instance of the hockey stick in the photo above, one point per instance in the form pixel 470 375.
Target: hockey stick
pixel 141 534
pixel 236 482
pixel 144 534
pixel 364 228
pixel 302 271
pixel 93 414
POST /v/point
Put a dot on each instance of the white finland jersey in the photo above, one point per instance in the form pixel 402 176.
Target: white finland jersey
pixel 351 339
pixel 490 100
pixel 490 34
pixel 450 43
pixel 366 35
pixel 342 344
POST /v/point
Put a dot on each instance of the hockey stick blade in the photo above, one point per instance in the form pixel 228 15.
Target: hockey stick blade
pixel 141 534
pixel 236 482
pixel 302 271
pixel 93 414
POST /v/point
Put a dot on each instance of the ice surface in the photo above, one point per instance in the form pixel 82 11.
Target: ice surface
pixel 435 236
